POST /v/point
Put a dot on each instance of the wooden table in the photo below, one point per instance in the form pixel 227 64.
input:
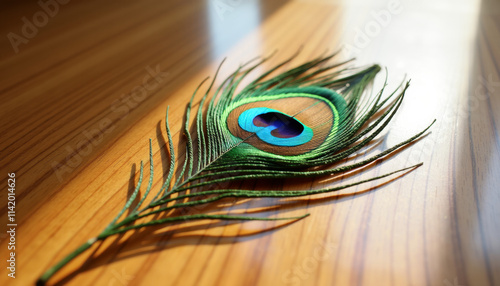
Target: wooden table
pixel 75 128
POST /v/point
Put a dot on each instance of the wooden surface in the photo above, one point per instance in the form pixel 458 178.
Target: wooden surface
pixel 72 80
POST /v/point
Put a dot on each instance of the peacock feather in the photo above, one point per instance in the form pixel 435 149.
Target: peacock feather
pixel 297 123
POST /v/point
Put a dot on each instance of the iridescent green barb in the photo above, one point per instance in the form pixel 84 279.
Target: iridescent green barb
pixel 275 127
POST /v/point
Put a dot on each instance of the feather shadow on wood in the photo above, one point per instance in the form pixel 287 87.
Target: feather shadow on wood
pixel 300 123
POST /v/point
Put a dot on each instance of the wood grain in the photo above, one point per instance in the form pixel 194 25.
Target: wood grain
pixel 83 94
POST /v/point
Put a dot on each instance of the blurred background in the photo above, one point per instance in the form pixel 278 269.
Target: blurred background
pixel 85 84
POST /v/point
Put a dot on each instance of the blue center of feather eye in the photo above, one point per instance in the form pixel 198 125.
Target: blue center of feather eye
pixel 275 127
pixel 285 126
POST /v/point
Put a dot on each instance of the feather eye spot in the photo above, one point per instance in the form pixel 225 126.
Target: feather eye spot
pixel 286 122
pixel 275 127
pixel 285 126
